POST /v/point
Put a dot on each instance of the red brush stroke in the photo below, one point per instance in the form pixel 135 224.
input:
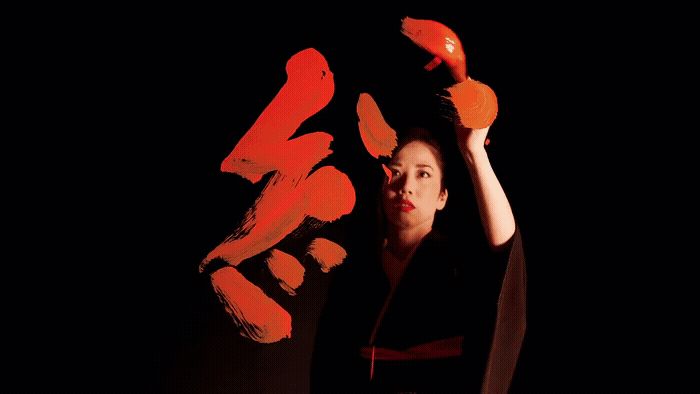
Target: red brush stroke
pixel 287 269
pixel 278 210
pixel 264 148
pixel 290 196
pixel 475 102
pixel 438 40
pixel 387 172
pixel 377 136
pixel 326 195
pixel 327 253
pixel 329 194
pixel 259 317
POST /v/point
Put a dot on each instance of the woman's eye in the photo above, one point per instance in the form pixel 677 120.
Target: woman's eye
pixel 395 173
pixel 424 174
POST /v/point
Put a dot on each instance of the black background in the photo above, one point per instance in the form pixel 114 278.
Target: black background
pixel 163 95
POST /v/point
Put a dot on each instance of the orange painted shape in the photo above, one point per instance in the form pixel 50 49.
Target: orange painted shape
pixel 327 253
pixel 287 269
pixel 378 137
pixel 257 315
pixel 475 102
pixel 388 173
pixel 433 64
pixel 438 40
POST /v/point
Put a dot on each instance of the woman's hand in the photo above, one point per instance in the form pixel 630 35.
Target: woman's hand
pixel 471 142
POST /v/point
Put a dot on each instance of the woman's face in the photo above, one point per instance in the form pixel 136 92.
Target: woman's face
pixel 413 194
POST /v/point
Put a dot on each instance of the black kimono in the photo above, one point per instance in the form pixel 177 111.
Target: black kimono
pixel 437 329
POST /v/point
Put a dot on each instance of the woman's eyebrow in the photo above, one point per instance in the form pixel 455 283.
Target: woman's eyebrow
pixel 424 165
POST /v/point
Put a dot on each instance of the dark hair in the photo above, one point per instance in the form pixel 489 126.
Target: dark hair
pixel 425 136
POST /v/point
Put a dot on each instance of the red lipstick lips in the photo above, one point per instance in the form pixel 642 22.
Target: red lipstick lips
pixel 405 206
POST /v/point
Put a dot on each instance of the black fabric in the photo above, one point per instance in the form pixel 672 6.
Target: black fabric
pixel 447 290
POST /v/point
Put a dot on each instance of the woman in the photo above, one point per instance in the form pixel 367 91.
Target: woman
pixel 421 312
pixel 421 316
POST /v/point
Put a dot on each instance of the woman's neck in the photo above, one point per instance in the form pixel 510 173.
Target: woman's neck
pixel 402 242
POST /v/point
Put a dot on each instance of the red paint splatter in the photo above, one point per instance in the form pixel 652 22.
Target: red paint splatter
pixel 327 253
pixel 287 269
pixel 378 137
pixel 259 317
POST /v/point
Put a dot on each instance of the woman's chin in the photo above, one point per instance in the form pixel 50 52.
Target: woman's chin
pixel 402 221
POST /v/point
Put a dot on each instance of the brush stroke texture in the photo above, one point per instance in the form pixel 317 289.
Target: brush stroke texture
pixel 327 254
pixel 438 40
pixel 475 103
pixel 377 136
pixel 292 196
pixel 286 269
pixel 326 195
pixel 265 147
pixel 258 316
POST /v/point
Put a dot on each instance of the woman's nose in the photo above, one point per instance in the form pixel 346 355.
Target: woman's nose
pixel 406 185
